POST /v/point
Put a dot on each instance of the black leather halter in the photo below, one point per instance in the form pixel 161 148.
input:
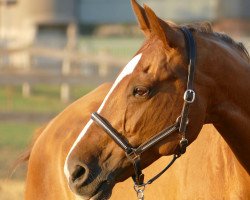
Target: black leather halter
pixel 180 125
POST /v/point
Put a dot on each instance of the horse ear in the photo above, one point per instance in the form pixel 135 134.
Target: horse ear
pixel 141 17
pixel 169 34
pixel 155 25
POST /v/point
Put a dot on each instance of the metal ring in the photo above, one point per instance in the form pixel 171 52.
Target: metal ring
pixel 189 96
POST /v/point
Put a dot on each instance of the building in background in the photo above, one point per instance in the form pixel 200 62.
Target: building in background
pixel 119 11
pixel 25 22
pixel 22 18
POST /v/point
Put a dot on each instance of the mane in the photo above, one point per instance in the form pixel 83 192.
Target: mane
pixel 206 27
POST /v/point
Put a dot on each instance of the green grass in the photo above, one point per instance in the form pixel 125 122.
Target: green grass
pixel 15 137
pixel 43 99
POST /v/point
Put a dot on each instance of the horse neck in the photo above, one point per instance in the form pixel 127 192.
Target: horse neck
pixel 229 108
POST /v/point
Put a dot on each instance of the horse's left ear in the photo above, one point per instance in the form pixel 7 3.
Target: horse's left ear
pixel 168 34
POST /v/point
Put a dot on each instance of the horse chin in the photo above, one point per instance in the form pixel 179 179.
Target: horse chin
pixel 102 192
pixel 101 195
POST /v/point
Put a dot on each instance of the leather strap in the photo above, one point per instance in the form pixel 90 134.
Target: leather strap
pixel 189 95
pixel 133 154
pixel 112 132
pixel 130 151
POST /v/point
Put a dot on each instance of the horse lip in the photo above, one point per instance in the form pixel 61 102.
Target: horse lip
pixel 101 189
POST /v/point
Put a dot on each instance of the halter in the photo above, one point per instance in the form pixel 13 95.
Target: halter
pixel 132 153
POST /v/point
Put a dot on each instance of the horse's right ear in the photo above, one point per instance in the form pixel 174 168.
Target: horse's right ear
pixel 141 17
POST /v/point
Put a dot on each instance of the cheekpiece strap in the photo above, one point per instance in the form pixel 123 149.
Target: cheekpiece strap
pixel 189 95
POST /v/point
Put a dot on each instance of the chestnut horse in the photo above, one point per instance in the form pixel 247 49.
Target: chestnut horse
pixel 219 175
pixel 147 97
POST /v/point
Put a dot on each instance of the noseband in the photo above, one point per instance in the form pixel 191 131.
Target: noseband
pixel 180 125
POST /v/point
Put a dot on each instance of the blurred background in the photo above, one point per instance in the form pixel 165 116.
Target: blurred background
pixel 55 51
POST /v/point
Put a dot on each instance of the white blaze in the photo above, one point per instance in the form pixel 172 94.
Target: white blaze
pixel 129 68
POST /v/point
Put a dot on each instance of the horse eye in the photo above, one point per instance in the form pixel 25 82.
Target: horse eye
pixel 140 91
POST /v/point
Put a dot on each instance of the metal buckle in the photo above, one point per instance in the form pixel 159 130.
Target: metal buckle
pixel 183 145
pixel 189 96
pixel 132 155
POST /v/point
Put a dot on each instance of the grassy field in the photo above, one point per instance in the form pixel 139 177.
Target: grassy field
pixel 44 98
pixel 16 136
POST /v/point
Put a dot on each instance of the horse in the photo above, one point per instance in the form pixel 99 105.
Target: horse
pixel 202 173
pixel 46 180
pixel 173 81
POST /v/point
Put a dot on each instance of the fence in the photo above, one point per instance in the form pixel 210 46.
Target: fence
pixel 68 75
pixel 73 67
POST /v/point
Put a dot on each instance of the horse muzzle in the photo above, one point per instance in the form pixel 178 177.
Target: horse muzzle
pixel 88 183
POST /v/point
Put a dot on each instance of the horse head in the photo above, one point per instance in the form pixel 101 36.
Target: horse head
pixel 146 97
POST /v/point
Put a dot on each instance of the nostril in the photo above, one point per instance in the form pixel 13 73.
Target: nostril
pixel 79 173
